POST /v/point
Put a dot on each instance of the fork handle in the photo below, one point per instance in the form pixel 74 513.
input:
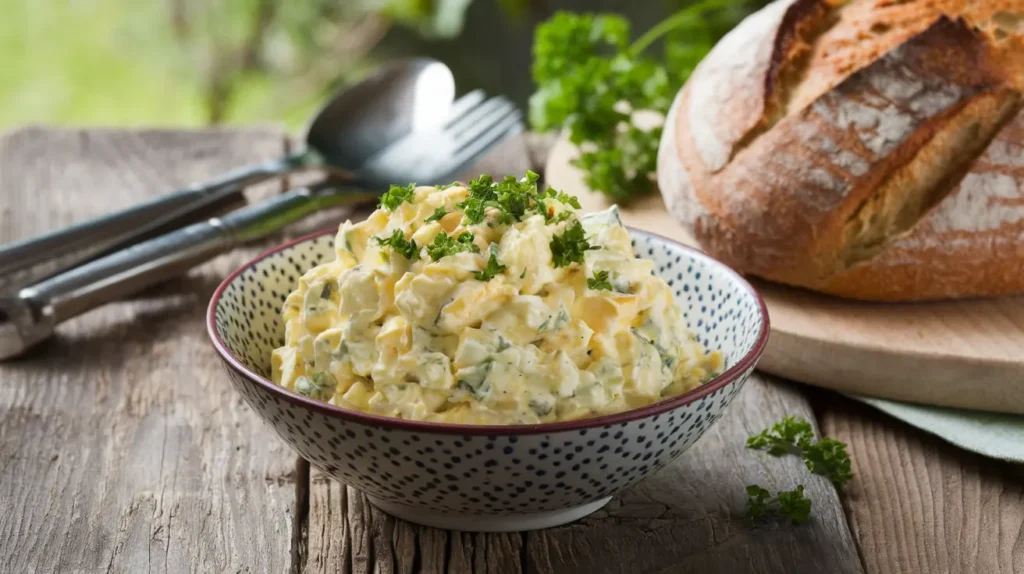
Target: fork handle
pixel 31 260
pixel 126 272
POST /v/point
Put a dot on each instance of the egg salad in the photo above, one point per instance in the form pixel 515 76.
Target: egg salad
pixel 494 303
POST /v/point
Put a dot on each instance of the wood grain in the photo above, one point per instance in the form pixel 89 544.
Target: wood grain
pixel 967 354
pixel 122 447
pixel 687 517
pixel 919 505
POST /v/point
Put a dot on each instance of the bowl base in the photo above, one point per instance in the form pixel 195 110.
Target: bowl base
pixel 488 522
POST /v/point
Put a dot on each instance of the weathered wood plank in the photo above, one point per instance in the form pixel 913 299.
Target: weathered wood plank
pixel 918 504
pixel 122 446
pixel 347 534
pixel 688 516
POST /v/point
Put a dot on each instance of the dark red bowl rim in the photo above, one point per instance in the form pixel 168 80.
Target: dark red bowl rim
pixel 731 374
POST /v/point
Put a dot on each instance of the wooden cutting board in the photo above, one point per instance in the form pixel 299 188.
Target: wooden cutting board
pixel 967 354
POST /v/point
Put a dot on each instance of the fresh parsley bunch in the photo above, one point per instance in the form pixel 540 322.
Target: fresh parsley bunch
pixel 591 79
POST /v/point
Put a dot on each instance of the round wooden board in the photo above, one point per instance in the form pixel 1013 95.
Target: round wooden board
pixel 967 354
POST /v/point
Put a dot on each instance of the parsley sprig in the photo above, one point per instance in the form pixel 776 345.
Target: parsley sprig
pixel 569 247
pixel 599 281
pixel 437 215
pixel 791 504
pixel 445 245
pixel 493 267
pixel 585 68
pixel 783 436
pixel 399 244
pixel 827 457
pixel 397 195
pixel 512 199
pixel 320 387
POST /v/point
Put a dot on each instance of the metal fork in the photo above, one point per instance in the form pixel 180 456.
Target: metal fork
pixel 30 315
pixel 476 125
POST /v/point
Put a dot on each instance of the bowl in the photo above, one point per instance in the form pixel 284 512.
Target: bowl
pixel 488 478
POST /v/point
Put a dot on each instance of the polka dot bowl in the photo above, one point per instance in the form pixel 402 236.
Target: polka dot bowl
pixel 488 478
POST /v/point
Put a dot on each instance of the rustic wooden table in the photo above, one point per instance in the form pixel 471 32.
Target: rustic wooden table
pixel 124 449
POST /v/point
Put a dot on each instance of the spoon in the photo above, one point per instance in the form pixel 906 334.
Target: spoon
pixel 400 99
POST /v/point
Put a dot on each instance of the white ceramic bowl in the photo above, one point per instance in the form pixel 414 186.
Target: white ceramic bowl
pixel 488 478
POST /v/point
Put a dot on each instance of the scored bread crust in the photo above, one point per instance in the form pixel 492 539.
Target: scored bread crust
pixel 901 180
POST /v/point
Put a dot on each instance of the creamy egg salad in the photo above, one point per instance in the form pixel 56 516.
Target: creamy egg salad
pixel 488 304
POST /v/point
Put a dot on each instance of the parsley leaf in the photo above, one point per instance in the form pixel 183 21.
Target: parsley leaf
pixel 481 196
pixel 437 215
pixel 790 504
pixel 320 387
pixel 794 505
pixel 783 436
pixel 757 501
pixel 397 195
pixel 513 199
pixel 569 247
pixel 398 243
pixel 828 457
pixel 584 68
pixel 599 281
pixel 493 267
pixel 445 245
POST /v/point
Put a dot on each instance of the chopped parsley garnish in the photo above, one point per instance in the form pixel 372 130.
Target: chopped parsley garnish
pixel 556 219
pixel 397 195
pixel 398 243
pixel 708 376
pixel 561 196
pixel 790 504
pixel 513 199
pixel 437 215
pixel 569 247
pixel 493 267
pixel 445 245
pixel 599 281
pixel 325 291
pixel 320 387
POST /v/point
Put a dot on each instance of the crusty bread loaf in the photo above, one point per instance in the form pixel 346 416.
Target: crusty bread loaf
pixel 872 149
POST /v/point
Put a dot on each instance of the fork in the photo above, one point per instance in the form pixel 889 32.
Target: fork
pixel 30 315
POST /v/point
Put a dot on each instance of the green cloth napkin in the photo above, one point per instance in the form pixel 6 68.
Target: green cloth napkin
pixel 991 434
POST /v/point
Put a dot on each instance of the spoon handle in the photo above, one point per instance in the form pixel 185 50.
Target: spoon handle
pixel 26 262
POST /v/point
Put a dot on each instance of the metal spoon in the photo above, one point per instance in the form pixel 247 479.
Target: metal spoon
pixel 356 124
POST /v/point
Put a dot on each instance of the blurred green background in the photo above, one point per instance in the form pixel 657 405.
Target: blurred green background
pixel 191 63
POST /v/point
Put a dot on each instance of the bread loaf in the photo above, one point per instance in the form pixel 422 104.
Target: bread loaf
pixel 872 149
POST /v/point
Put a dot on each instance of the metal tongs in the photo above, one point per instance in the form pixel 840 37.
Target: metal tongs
pixel 29 314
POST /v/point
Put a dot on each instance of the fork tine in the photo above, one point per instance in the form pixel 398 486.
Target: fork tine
pixel 474 126
pixel 463 105
pixel 411 142
pixel 443 148
pixel 477 115
pixel 485 141
pixel 484 123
